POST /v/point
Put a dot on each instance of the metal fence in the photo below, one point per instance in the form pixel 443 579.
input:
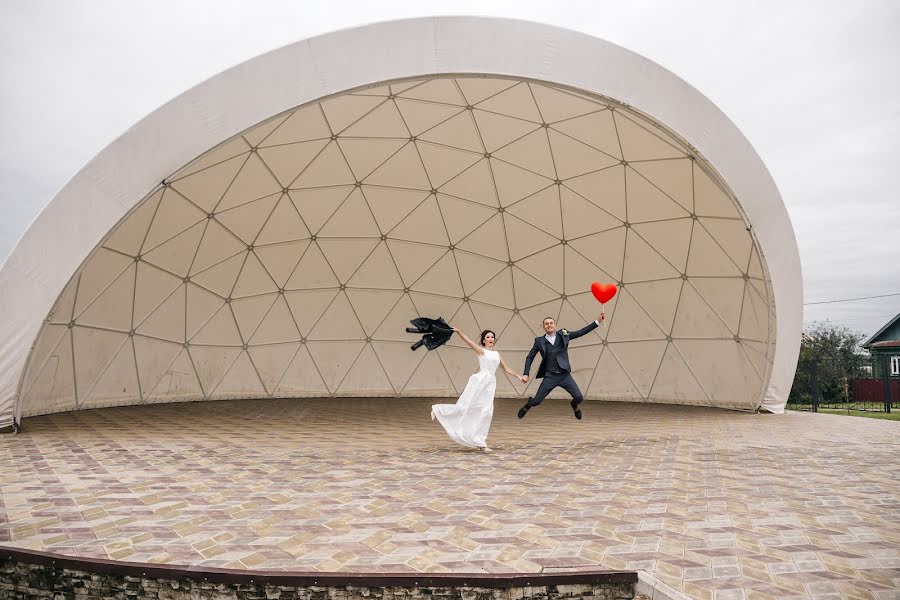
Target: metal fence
pixel 840 384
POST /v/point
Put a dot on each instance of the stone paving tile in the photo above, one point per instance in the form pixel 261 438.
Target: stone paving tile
pixel 717 504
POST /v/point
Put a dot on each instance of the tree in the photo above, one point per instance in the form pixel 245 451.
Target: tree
pixel 835 354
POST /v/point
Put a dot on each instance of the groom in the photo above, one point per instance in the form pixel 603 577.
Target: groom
pixel 555 368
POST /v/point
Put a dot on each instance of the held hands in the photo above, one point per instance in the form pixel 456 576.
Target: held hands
pixel 523 378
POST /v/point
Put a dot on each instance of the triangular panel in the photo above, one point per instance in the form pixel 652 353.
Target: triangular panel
pixel 254 181
pixel 178 381
pixel 556 105
pixel 659 299
pixel 317 206
pixel 641 361
pixel 605 189
pixel 254 279
pixel 112 309
pixel 280 260
pixel 201 306
pixel 475 183
pixel 378 271
pixel 272 361
pixel 675 382
pixel 312 272
pixel 206 187
pixel 414 259
pixel 672 239
pixel 365 155
pixel 605 249
pixel 128 236
pixel 366 376
pixel 118 384
pixel 674 177
pixel 176 254
pixel 475 270
pixel 346 255
pixel 424 224
pixel 246 220
pixel 338 323
pixel 220 330
pixel 241 380
pixel 404 169
pixel 382 122
pixel 498 130
pixel 308 306
pixel 328 169
pixel 302 125
pixel 643 263
pixel 581 217
pixel 457 132
pixel 695 319
pixel 217 244
pixel 724 295
pixel 211 364
pixel 249 312
pixel 541 210
pixel 488 240
pixel 301 378
pixel 221 277
pixel 429 379
pixel 639 143
pixel 287 161
pixel 597 130
pixel 422 116
pixel 372 306
pixel 573 158
pixel 167 320
pixel 442 278
pixel 630 322
pixel 524 239
pixel 284 225
pixel 498 291
pixel 610 382
pixel 154 359
pixel 334 359
pixel 646 202
pixel 352 219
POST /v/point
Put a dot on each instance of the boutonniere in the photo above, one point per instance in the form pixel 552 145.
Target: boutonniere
pixel 565 332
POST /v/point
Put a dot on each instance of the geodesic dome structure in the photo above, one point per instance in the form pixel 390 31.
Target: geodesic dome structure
pixel 284 254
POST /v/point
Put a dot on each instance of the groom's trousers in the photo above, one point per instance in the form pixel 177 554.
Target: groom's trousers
pixel 555 380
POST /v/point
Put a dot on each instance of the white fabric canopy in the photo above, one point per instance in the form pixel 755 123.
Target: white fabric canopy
pixel 553 117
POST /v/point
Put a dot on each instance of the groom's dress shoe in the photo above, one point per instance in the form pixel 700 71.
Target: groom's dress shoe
pixel 576 410
pixel 523 410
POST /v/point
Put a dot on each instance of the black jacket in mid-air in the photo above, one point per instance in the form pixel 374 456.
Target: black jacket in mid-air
pixel 435 332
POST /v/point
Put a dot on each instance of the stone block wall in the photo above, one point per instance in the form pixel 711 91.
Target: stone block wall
pixel 26 574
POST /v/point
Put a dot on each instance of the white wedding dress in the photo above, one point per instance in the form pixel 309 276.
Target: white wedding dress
pixel 468 421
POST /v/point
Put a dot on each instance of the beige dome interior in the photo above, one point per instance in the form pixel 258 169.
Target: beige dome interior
pixel 287 261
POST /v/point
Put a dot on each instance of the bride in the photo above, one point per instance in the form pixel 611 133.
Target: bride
pixel 468 421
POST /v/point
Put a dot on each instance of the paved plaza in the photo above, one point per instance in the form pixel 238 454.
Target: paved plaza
pixel 715 503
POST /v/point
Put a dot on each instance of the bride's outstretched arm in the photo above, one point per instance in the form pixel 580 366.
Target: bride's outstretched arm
pixel 510 372
pixel 478 349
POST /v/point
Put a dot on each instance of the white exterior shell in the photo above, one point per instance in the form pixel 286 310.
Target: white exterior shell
pixel 88 207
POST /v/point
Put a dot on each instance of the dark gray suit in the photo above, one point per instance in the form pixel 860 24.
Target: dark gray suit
pixel 555 369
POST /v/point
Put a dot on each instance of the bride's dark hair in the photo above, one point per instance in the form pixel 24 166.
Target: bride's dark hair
pixel 484 333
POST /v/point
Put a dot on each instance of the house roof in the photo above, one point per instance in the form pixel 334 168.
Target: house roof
pixel 871 341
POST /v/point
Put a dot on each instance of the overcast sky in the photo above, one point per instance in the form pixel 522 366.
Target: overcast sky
pixel 814 86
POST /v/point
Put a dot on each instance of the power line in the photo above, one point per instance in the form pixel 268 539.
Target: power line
pixel 850 299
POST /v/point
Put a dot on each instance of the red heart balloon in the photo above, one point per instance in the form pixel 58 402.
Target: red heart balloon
pixel 603 292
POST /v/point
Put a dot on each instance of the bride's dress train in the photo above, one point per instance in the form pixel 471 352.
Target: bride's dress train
pixel 468 421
